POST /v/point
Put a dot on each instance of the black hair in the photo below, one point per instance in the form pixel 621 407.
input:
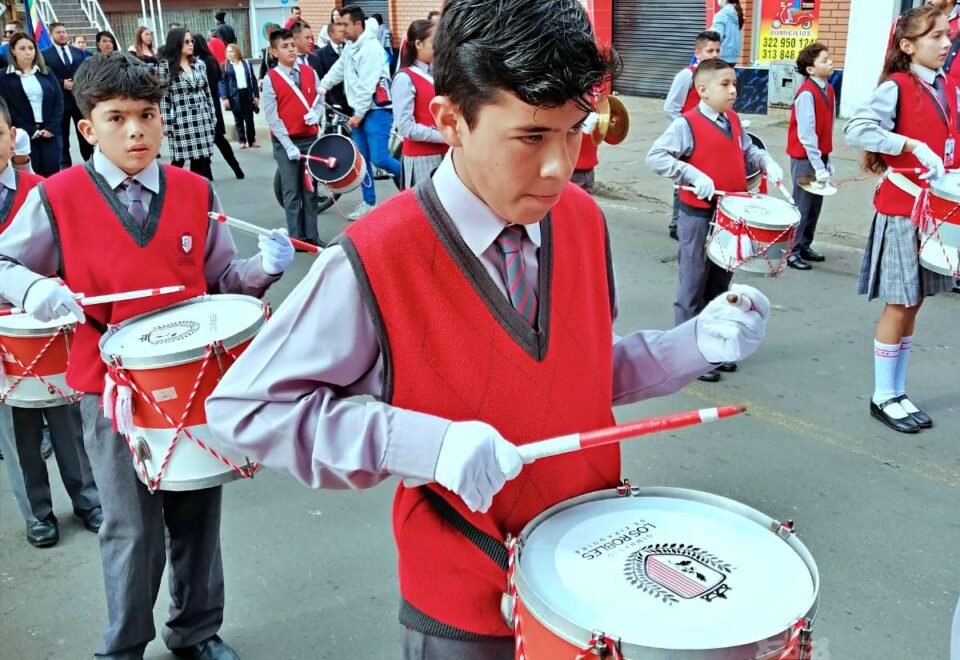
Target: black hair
pixel 200 48
pixel 299 27
pixel 104 33
pixel 220 15
pixel 709 68
pixel 542 51
pixel 736 5
pixel 355 11
pixel 418 31
pixel 705 37
pixel 808 56
pixel 332 12
pixel 378 18
pixel 433 13
pixel 5 113
pixel 172 48
pixel 54 25
pixel 115 76
pixel 279 35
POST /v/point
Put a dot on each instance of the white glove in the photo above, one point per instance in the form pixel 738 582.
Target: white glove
pixel 49 299
pixel 823 176
pixel 774 171
pixel 830 169
pixel 293 153
pixel 475 462
pixel 728 332
pixel 930 161
pixel 312 118
pixel 276 252
pixel 703 186
pixel 590 123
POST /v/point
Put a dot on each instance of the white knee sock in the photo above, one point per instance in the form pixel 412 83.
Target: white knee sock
pixel 900 381
pixel 885 358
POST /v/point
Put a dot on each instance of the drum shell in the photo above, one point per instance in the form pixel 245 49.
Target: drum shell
pixel 722 246
pixel 547 635
pixel 30 392
pixel 349 180
pixel 940 249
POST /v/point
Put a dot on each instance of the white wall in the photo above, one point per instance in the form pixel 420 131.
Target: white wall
pixel 867 36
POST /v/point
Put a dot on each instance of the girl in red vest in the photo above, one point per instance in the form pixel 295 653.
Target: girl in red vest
pixel 423 146
pixel 910 121
pixel 809 143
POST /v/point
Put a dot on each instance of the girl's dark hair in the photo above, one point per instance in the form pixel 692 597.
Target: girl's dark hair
pixel 109 35
pixel 115 76
pixel 37 57
pixel 736 5
pixel 808 56
pixel 911 25
pixel 543 51
pixel 200 48
pixel 138 42
pixel 418 31
pixel 172 48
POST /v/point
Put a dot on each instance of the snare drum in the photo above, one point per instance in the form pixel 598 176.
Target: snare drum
pixel 35 356
pixel 662 573
pixel 173 359
pixel 752 233
pixel 940 239
pixel 350 169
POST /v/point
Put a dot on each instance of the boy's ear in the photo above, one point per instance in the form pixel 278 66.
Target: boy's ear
pixel 85 127
pixel 449 121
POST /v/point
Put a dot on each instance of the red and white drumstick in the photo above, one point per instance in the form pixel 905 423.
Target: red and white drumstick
pixel 251 228
pixel 330 162
pixel 610 435
pixel 716 193
pixel 786 195
pixel 917 170
pixel 86 301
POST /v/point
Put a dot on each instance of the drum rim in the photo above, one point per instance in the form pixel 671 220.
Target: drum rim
pixel 7 331
pixel 183 485
pixel 357 155
pixel 38 403
pixel 936 267
pixel 950 197
pixel 761 225
pixel 185 356
pixel 574 634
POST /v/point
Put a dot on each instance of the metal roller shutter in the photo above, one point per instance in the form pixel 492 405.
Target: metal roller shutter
pixel 655 40
pixel 371 7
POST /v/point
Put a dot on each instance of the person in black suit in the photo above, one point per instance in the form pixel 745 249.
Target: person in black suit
pixel 240 94
pixel 323 59
pixel 64 60
pixel 35 99
pixel 223 29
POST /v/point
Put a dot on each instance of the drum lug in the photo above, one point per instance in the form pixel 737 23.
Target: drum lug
pixel 599 647
pixel 805 652
pixel 249 469
pixel 783 529
pixel 506 609
pixel 627 489
pixel 143 450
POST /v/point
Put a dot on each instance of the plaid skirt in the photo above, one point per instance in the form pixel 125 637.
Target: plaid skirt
pixel 419 168
pixel 891 267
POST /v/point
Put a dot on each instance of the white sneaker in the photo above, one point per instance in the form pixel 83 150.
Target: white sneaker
pixel 362 209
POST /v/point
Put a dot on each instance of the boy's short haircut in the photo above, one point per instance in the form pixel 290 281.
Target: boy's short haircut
pixel 711 68
pixel 279 35
pixel 543 52
pixel 808 56
pixel 355 12
pixel 53 26
pixel 220 15
pixel 706 37
pixel 299 27
pixel 115 76
pixel 5 113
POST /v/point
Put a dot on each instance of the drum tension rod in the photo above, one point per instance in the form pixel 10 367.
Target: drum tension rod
pixel 600 648
pixel 627 489
pixel 783 529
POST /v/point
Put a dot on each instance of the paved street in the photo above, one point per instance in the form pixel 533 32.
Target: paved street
pixel 311 575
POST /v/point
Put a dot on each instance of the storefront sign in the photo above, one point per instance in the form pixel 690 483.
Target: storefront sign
pixel 786 28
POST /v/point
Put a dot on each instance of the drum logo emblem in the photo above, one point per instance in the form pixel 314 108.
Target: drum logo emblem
pixel 170 332
pixel 670 570
pixel 186 243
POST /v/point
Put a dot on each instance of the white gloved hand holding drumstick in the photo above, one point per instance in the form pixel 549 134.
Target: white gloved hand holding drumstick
pixel 732 326
pixel 703 186
pixel 48 299
pixel 475 462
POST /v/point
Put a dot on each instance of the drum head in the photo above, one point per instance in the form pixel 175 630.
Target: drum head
pixel 181 333
pixel 947 186
pixel 761 211
pixel 668 573
pixel 24 325
pixel 338 146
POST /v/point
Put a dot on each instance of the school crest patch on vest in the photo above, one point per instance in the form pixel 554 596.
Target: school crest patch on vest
pixel 186 243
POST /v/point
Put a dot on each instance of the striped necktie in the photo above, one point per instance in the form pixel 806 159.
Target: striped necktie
pixel 3 194
pixel 941 87
pixel 521 294
pixel 135 200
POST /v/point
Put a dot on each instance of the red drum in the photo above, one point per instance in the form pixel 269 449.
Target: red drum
pixel 940 234
pixel 753 233
pixel 34 357
pixel 173 359
pixel 347 174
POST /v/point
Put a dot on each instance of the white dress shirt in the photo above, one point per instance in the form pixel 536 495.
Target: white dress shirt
pixel 241 73
pixel 33 91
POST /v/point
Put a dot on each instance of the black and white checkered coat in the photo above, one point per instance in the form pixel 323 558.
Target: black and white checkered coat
pixel 188 112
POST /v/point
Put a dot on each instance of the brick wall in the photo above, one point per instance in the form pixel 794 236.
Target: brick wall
pixel 404 12
pixel 317 12
pixel 834 19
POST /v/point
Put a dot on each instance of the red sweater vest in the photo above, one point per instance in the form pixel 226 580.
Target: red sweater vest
pixel 693 98
pixel 918 117
pixel 98 256
pixel 422 115
pixel 289 106
pixel 823 106
pixel 716 155
pixel 25 183
pixel 449 355
pixel 588 158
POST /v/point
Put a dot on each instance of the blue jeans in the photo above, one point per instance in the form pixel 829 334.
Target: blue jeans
pixel 373 141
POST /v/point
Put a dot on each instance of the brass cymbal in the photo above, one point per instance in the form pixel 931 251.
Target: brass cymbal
pixel 614 122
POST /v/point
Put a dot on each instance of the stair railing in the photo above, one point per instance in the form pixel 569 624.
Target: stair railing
pixel 95 15
pixel 46 12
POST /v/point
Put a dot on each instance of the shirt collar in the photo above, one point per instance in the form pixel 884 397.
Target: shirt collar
pixel 11 68
pixel 149 177
pixel 822 84
pixel 926 75
pixel 285 69
pixel 476 222
pixel 423 66
pixel 8 177
pixel 708 112
pixel 955 13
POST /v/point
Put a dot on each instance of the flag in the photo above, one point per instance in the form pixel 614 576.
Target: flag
pixel 35 26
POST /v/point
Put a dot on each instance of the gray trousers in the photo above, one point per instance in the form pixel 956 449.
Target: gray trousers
pixel 585 179
pixel 699 280
pixel 675 214
pixel 134 545
pixel 808 204
pixel 66 435
pixel 299 204
pixel 417 646
pixel 9 448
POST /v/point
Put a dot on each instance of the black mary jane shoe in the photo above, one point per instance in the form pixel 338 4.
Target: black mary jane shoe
pixel 212 648
pixel 727 367
pixel 809 254
pixel 904 425
pixel 711 376
pixel 921 418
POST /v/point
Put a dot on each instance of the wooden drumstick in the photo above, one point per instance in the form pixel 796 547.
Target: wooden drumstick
pixel 743 302
pixel 330 162
pixel 251 228
pixel 86 301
